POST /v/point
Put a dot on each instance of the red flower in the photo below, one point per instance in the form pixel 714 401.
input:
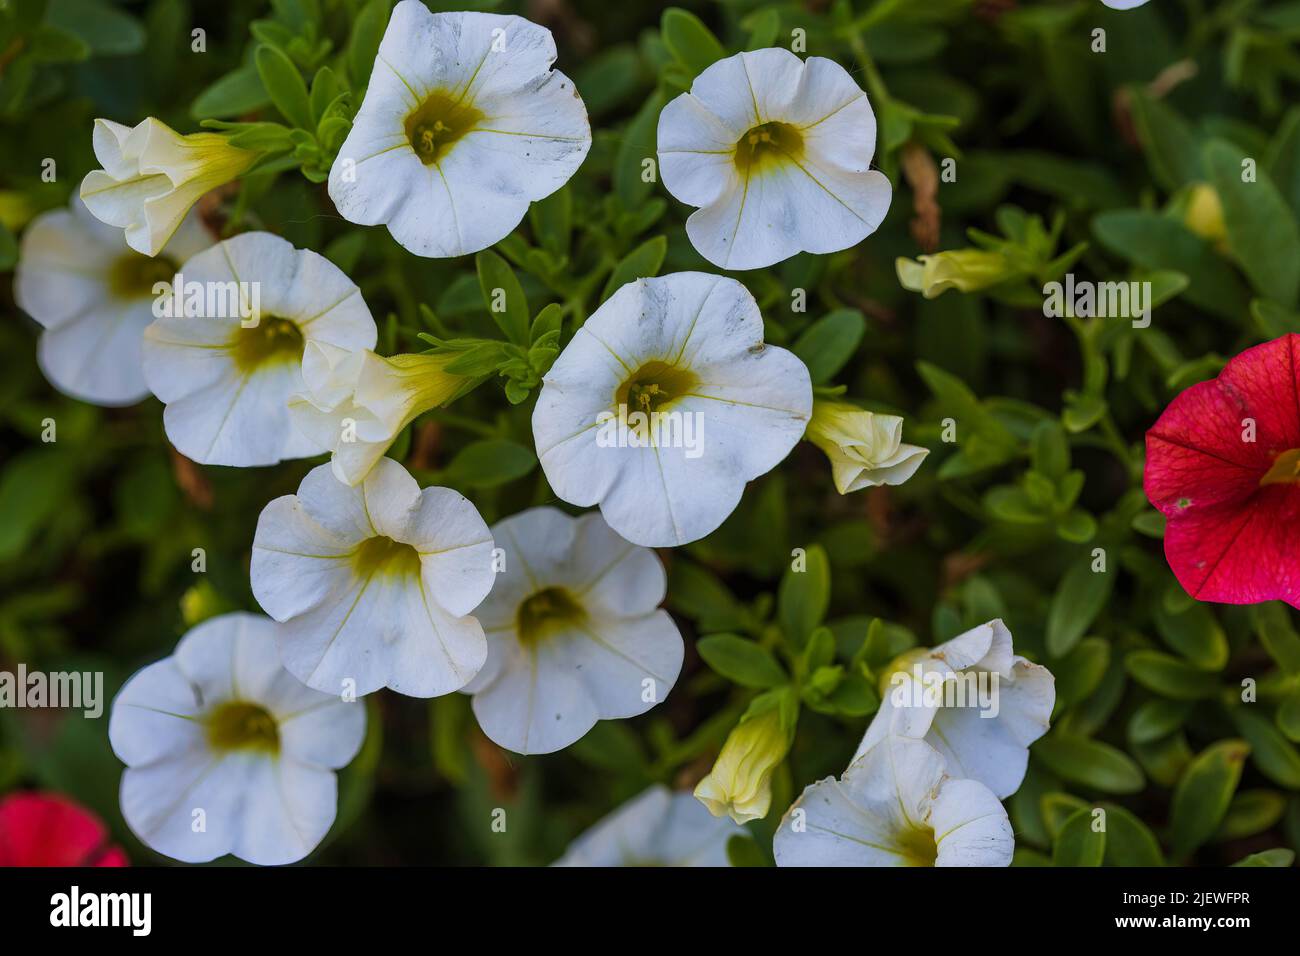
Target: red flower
pixel 45 829
pixel 1223 465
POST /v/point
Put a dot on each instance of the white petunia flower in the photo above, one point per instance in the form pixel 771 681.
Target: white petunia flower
pixel 1123 4
pixel 152 175
pixel 574 632
pixel 464 124
pixel 740 783
pixel 228 365
pixel 656 828
pixel 94 295
pixel 776 152
pixel 373 584
pixel 866 449
pixel 895 806
pixel 717 407
pixel 973 700
pixel 356 403
pixel 226 752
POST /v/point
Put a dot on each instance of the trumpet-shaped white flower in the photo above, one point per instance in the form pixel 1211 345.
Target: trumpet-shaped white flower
pixel 356 403
pixel 574 633
pixel 94 295
pixel 229 358
pixel 226 752
pixel 776 152
pixel 740 783
pixel 865 449
pixel 978 704
pixel 1123 4
pixel 655 828
pixel 895 806
pixel 708 407
pixel 464 124
pixel 373 584
pixel 152 175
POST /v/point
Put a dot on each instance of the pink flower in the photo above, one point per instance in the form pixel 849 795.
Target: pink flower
pixel 46 829
pixel 1223 465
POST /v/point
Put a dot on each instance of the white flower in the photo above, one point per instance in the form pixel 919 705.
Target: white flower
pixel 1000 704
pixel 895 806
pixel 776 152
pixel 1123 4
pixel 152 175
pixel 356 403
pixel 226 752
pixel 865 449
pixel 687 348
pixel 226 381
pixel 94 295
pixel 464 123
pixel 373 584
pixel 656 828
pixel 574 634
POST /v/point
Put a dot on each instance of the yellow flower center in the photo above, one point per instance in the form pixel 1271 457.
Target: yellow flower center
pixel 918 847
pixel 1286 468
pixel 767 144
pixel 546 611
pixel 384 556
pixel 434 126
pixel 239 725
pixel 271 340
pixel 134 276
pixel 654 386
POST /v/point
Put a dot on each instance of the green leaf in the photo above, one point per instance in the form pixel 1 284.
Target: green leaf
pixel 741 661
pixel 638 145
pixel 804 596
pixel 1089 762
pixel 1080 671
pixel 489 464
pixel 827 345
pixel 1279 856
pixel 641 263
pixel 232 95
pixel 552 222
pixel 503 296
pixel 107 30
pixel 1204 793
pixel 1272 753
pixel 1155 719
pixel 363 44
pixel 1171 147
pixel 1078 843
pixel 1262 231
pixel 1193 633
pixel 1076 604
pixel 689 40
pixel 1251 812
pixel 1170 677
pixel 1154 241
pixel 1129 841
pixel 286 87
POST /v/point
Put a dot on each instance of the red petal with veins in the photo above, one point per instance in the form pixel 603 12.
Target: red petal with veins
pixel 39 829
pixel 1228 538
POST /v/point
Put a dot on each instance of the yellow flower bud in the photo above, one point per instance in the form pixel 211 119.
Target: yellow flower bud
pixel 965 270
pixel 152 175
pixel 740 784
pixel 865 449
pixel 1204 215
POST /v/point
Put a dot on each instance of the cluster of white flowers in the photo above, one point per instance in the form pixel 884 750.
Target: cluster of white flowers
pixel 925 785
pixel 262 352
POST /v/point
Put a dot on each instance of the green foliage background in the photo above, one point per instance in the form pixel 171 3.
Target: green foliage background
pixel 1067 159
